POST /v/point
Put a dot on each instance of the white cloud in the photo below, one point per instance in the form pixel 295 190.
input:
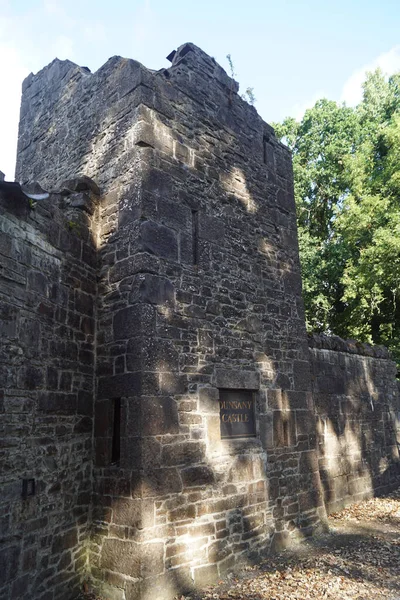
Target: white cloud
pixel 299 109
pixel 389 62
pixel 13 71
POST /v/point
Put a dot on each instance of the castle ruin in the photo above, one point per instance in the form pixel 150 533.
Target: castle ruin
pixel 165 419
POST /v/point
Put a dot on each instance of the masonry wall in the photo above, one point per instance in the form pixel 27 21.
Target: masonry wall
pixel 47 326
pixel 199 290
pixel 357 408
pixel 181 327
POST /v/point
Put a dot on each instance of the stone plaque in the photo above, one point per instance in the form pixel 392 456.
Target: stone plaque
pixel 236 409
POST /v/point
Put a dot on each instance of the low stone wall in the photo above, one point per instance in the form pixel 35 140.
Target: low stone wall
pixel 47 286
pixel 357 409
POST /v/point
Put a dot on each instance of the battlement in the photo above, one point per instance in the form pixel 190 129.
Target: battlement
pixel 66 102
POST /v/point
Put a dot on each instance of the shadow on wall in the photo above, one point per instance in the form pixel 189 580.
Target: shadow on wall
pixel 47 293
pixel 357 408
pixel 200 272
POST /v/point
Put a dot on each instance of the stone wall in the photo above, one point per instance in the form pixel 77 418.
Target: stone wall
pixel 199 290
pixel 181 318
pixel 47 326
pixel 357 408
pixel 145 308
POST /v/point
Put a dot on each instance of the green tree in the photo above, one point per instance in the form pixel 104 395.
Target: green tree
pixel 346 166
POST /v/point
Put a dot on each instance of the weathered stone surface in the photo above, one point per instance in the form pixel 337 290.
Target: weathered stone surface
pixel 356 424
pixel 159 240
pixel 152 289
pixel 237 379
pixel 197 476
pixel 46 395
pixel 137 307
pixel 121 556
pixel 133 513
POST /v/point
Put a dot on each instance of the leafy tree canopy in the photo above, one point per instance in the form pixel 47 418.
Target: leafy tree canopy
pixel 346 164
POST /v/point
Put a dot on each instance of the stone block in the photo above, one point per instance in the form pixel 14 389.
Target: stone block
pixel 20 587
pixel 159 240
pixel 8 320
pixel 152 289
pixel 205 575
pixel 158 482
pixel 237 379
pixel 175 214
pixel 209 399
pixel 267 430
pixel 64 541
pixel 171 383
pixel 301 374
pixel 174 583
pixel 183 453
pixel 103 418
pixel 30 377
pixel 159 182
pixel 9 563
pixel 140 262
pixel 126 384
pixel 131 321
pixel 84 425
pixel 159 416
pixel 284 428
pixel 133 512
pixel 275 399
pixel 158 355
pixel 294 399
pixel 53 402
pixel 241 469
pixel 183 513
pixel 308 462
pixel 121 556
pixel 211 229
pixel 85 403
pixel 197 476
pixel 214 433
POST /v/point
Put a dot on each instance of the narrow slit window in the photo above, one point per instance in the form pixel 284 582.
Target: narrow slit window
pixel 265 153
pixel 116 431
pixel 195 236
pixel 286 435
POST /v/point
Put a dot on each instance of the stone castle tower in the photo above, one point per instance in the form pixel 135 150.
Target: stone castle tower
pixel 168 307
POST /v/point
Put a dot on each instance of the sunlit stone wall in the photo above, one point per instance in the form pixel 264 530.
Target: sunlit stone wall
pixel 357 407
pixel 199 290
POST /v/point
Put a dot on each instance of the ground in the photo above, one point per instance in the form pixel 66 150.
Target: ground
pixel 358 559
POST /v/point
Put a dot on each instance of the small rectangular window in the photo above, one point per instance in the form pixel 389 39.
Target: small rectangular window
pixel 28 487
pixel 116 432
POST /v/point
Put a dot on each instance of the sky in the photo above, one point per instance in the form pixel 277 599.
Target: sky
pixel 291 52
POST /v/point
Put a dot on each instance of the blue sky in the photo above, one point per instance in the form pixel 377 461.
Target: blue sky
pixel 291 52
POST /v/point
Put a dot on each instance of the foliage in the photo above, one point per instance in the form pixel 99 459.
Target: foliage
pixel 248 95
pixel 346 165
pixel 231 67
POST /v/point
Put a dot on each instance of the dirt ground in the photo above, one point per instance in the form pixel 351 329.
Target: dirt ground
pixel 359 559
